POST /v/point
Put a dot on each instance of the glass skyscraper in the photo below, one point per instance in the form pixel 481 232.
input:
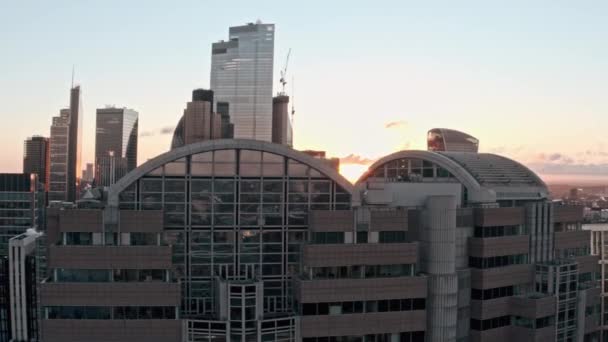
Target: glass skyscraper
pixel 115 144
pixel 241 75
pixel 59 156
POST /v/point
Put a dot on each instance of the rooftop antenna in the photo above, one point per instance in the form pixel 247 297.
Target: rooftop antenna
pixel 73 67
pixel 283 80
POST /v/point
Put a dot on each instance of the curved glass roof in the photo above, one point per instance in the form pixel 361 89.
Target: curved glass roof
pixel 492 169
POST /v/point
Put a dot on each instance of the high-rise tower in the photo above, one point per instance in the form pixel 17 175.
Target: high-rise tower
pixel 66 142
pixel 241 75
pixel 36 158
pixel 59 156
pixel 115 144
pixel 74 144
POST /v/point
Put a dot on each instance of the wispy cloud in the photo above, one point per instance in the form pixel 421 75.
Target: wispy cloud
pixel 162 131
pixel 395 124
pixel 356 159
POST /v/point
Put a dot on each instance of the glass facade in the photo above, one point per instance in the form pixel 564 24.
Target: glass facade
pixel 236 214
pixel 115 144
pixel 241 76
pixel 410 170
pixel 441 139
pixel 59 156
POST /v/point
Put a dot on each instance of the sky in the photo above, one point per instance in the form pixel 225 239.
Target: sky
pixel 528 78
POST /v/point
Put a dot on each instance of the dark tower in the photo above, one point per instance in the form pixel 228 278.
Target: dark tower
pixel 74 145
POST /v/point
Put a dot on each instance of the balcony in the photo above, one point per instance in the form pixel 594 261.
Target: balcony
pixel 567 213
pixel 484 309
pixel 507 216
pixel 110 257
pixel 81 220
pixel 573 239
pixel 153 330
pixel 501 276
pixel 535 335
pixel 533 306
pixel 362 324
pixel 392 220
pixel 110 294
pixel 145 221
pixel 359 254
pixel 331 220
pixel 507 245
pixel 336 290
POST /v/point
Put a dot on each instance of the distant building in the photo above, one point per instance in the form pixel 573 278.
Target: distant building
pixel 115 144
pixel 199 122
pixel 443 139
pixel 242 76
pixel 59 156
pixel 282 131
pixel 65 151
pixel 74 144
pixel 88 173
pixel 37 158
pixel 334 163
pixel 223 109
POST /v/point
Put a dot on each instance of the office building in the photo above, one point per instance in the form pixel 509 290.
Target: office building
pixel 199 122
pixel 599 248
pixel 74 145
pixel 24 276
pixel 282 131
pixel 21 208
pixel 88 174
pixel 223 109
pixel 443 139
pixel 115 144
pixel 59 156
pixel 334 163
pixel 65 151
pixel 36 158
pixel 242 76
pixel 254 241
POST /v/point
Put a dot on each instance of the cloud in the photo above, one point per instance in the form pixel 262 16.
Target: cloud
pixel 395 124
pixel 167 130
pixel 161 131
pixel 356 159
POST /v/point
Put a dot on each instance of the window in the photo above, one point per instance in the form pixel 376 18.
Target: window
pixel 78 239
pixel 328 237
pixel 361 237
pixel 491 323
pixel 144 239
pixel 391 236
pixel 498 261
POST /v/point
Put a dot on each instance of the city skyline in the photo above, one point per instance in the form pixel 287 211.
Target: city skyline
pixel 466 71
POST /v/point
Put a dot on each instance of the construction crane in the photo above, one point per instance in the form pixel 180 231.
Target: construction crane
pixel 283 79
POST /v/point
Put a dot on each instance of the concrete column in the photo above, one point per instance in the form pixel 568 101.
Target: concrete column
pixel 439 240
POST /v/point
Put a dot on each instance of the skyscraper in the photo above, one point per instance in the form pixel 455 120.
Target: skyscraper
pixel 59 156
pixel 36 158
pixel 66 141
pixel 282 131
pixel 115 144
pixel 241 75
pixel 74 144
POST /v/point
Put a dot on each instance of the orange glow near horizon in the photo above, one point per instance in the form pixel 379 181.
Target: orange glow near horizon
pixel 352 172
